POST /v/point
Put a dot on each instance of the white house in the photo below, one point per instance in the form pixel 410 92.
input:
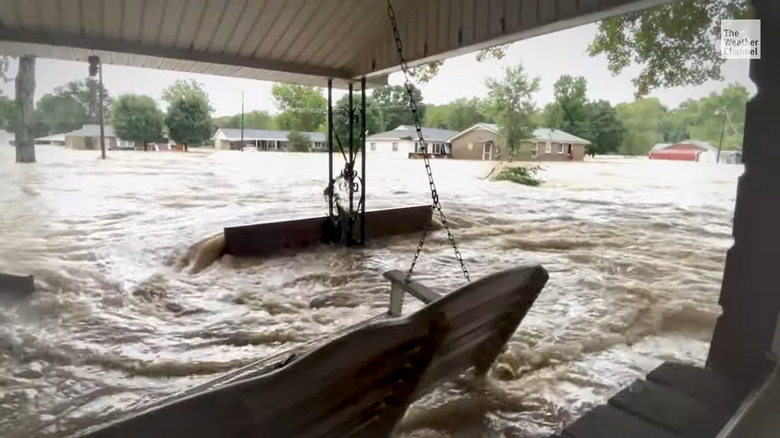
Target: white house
pixel 403 142
pixel 262 139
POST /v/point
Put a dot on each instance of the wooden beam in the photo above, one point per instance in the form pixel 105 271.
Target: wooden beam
pixel 399 285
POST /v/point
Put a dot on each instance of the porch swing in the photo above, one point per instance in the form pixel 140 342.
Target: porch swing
pixel 359 381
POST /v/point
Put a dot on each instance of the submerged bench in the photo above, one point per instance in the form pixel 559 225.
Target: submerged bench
pixel 360 383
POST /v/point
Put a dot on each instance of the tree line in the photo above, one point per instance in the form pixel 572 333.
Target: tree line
pixel 629 128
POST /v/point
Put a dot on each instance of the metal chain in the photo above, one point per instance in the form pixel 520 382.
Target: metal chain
pixel 418 126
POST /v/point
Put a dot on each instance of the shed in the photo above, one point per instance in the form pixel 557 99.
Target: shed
pixel 686 150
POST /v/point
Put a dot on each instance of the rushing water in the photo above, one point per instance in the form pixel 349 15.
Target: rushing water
pixel 635 251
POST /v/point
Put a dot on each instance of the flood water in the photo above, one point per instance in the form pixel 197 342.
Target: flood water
pixel 635 251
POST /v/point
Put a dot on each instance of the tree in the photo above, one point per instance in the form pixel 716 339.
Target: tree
pixel 137 118
pixel 512 105
pixel 393 100
pixel 673 43
pixel 302 108
pixel 604 130
pixel 25 115
pixel 61 113
pixel 189 120
pixel 252 120
pixel 298 142
pixel 569 107
pixel 424 73
pixel 457 115
pixel 186 88
pixel 7 113
pixel 642 120
pixel 374 121
pixel 85 92
pixel 704 119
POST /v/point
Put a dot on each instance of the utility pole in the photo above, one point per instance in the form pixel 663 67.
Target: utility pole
pixel 242 120
pixel 722 128
pixel 95 67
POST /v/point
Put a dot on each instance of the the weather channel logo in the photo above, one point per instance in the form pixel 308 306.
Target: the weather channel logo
pixel 740 39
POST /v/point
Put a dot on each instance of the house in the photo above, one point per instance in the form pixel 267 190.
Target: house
pixel 686 150
pixel 480 143
pixel 403 142
pixel 54 139
pixel 262 139
pixel 88 137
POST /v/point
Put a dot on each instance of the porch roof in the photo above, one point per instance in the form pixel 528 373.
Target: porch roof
pixel 294 41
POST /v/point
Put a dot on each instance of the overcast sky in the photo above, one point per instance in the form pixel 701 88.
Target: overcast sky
pixel 547 56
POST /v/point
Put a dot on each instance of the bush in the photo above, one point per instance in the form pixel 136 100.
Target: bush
pixel 298 142
pixel 521 175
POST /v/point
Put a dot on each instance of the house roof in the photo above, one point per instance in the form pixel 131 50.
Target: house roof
pixel 407 132
pixel 555 135
pixel 703 145
pixel 91 131
pixel 53 137
pixel 234 134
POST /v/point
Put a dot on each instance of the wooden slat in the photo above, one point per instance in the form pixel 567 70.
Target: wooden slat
pixel 131 20
pixel 269 19
pixel 674 411
pixel 467 21
pixel 416 289
pixel 698 383
pixel 611 422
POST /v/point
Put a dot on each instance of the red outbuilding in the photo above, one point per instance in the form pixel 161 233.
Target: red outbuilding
pixel 687 150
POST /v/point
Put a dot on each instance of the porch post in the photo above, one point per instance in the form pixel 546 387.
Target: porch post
pixel 363 116
pixel 330 148
pixel 750 292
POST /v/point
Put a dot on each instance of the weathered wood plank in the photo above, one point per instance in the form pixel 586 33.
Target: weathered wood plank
pixel 416 289
pixel 674 411
pixel 698 383
pixel 273 237
pixel 611 422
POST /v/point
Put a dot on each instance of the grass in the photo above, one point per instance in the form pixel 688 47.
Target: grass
pixel 521 175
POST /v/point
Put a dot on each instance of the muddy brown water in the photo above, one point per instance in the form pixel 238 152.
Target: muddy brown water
pixel 635 250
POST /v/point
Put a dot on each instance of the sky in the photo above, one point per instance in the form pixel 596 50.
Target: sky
pixel 546 56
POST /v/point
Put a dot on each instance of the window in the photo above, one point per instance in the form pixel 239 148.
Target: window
pixel 395 147
pixel 560 148
pixel 373 146
pixel 548 148
pixel 437 148
pixel 534 149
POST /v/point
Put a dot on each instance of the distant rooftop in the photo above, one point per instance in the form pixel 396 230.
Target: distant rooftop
pixel 703 145
pixel 555 135
pixel 91 131
pixel 234 134
pixel 408 132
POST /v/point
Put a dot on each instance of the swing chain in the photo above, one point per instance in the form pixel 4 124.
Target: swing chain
pixel 436 206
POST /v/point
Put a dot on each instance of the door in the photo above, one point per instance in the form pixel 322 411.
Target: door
pixel 88 144
pixel 487 151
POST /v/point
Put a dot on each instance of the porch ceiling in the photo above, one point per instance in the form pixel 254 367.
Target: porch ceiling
pixel 294 41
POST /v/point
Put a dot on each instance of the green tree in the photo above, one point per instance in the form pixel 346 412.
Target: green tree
pixel 643 121
pixel 674 43
pixel 189 120
pixel 252 120
pixel 61 113
pixel 137 118
pixel 302 108
pixel 568 111
pixel 85 92
pixel 7 113
pixel 298 142
pixel 603 130
pixel 393 100
pixel 186 88
pixel 512 105
pixel 424 73
pixel 374 122
pixel 704 119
